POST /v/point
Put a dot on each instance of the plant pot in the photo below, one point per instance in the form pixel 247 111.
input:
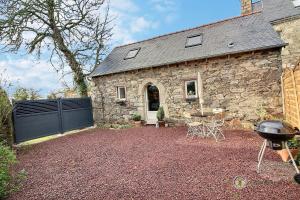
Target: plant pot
pixel 137 124
pixel 161 123
pixel 285 155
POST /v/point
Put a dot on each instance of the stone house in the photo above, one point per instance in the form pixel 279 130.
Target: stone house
pixel 239 61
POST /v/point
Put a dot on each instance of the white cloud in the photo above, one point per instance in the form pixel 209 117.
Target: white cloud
pixel 164 5
pixel 128 21
pixel 140 24
pixel 124 6
pixel 29 73
pixel 168 9
pixel 170 18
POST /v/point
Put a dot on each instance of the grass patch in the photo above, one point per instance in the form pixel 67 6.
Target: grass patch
pixel 39 140
pixel 10 181
pixel 51 137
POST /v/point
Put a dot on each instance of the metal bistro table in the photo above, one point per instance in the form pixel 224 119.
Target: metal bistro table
pixel 210 125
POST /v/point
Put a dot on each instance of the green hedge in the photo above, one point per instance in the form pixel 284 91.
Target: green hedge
pixel 5 118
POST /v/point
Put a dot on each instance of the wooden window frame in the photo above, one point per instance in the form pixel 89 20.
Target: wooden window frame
pixel 196 89
pixel 118 93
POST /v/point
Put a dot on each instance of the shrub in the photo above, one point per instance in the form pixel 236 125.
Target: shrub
pixel 160 114
pixel 136 117
pixel 293 143
pixel 5 118
pixel 8 182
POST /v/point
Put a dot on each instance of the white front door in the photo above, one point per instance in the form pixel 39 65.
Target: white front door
pixel 152 103
pixel 151 117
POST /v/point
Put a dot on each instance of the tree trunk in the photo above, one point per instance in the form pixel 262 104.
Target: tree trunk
pixel 75 66
pixel 78 75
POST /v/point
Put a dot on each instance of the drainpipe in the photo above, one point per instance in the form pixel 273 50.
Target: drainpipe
pixel 282 94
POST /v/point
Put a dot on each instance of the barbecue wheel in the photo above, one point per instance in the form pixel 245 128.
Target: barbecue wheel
pixel 297 178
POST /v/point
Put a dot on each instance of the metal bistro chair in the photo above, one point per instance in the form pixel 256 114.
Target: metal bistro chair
pixel 194 128
pixel 214 127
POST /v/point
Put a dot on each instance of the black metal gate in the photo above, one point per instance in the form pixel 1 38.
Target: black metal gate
pixel 39 118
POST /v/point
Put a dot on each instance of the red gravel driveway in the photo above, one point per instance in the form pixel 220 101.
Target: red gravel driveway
pixel 149 163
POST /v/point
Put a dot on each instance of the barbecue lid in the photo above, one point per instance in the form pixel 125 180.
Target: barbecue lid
pixel 275 127
pixel 276 130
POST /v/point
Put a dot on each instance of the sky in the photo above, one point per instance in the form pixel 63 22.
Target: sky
pixel 134 20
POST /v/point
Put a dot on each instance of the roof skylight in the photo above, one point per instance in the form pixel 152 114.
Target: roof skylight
pixel 132 53
pixel 194 40
pixel 296 3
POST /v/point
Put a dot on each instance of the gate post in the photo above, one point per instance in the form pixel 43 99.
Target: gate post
pixel 60 116
pixel 13 117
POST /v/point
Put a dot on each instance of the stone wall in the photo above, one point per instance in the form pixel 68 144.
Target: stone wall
pixel 289 31
pixel 241 83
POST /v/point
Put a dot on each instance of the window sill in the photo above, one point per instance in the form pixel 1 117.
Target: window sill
pixel 121 101
pixel 191 99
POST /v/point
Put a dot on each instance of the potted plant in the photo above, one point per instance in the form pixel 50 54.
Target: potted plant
pixel 137 120
pixel 160 117
pixel 293 145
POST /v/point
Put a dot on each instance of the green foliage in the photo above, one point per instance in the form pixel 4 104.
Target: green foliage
pixel 52 95
pixel 265 114
pixel 136 117
pixel 9 182
pixel 22 93
pixel 293 143
pixel 5 118
pixel 5 109
pixel 160 114
pixel 261 112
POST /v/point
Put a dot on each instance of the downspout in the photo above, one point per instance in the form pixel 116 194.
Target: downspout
pixel 282 94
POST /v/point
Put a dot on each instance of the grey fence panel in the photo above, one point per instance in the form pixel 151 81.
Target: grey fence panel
pixel 76 113
pixel 35 126
pixel 34 119
pixel 76 119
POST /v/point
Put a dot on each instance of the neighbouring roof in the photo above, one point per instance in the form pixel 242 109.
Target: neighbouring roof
pixel 236 35
pixel 279 9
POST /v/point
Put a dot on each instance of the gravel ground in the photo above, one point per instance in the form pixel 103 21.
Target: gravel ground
pixel 149 163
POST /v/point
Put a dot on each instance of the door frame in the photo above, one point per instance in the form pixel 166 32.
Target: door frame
pixel 149 121
pixel 142 98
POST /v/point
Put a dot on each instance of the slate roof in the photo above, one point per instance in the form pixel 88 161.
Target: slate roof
pixel 248 33
pixel 279 9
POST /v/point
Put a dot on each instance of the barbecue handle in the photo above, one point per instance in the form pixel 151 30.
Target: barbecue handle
pixel 297 131
pixel 255 127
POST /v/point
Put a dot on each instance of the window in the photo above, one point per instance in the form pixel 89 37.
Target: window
pixel 121 93
pixel 194 40
pixel 132 53
pixel 296 3
pixel 191 89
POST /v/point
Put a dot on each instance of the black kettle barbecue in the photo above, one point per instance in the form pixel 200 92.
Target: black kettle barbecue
pixel 276 134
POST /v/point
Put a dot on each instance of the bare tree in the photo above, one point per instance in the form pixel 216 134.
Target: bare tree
pixel 73 32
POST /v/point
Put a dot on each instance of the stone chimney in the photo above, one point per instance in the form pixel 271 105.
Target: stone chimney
pixel 246 6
